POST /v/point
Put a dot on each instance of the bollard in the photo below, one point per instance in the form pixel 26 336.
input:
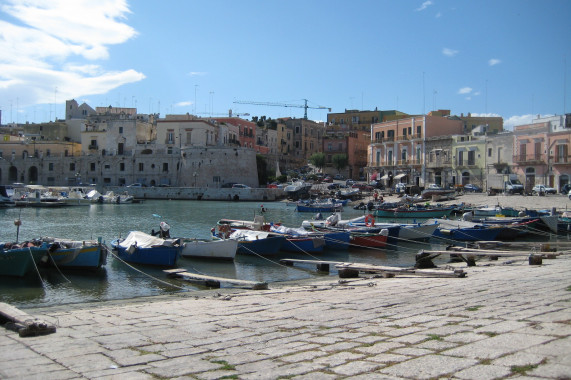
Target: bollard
pixel 535 260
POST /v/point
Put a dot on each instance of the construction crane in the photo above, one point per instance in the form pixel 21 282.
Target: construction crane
pixel 305 106
pixel 229 114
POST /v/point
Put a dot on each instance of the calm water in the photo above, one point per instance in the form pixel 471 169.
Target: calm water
pixel 186 218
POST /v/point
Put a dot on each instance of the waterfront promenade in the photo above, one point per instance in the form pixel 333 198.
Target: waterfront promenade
pixel 506 319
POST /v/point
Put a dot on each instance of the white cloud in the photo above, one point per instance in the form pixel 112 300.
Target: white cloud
pixel 477 93
pixel 494 61
pixel 197 73
pixel 449 52
pixel 438 15
pixel 38 47
pixel 424 5
pixel 465 90
pixel 183 104
pixel 515 120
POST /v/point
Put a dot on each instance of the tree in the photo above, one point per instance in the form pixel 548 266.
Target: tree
pixel 340 161
pixel 318 160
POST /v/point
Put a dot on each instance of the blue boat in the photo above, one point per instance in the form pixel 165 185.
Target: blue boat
pixel 78 254
pixel 338 240
pixel 299 239
pixel 465 231
pixel 141 248
pixel 257 242
pixel 19 259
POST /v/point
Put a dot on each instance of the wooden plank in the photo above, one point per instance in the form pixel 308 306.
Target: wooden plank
pixel 318 262
pixel 212 279
pixel 397 270
pixel 477 253
pixel 24 323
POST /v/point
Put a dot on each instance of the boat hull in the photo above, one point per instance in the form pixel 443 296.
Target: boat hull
pixel 468 234
pixel 18 262
pixel 221 249
pixel 303 244
pixel 368 240
pixel 91 256
pixel 266 246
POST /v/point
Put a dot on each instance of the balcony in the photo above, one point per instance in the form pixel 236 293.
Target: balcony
pixel 560 160
pixel 439 163
pixel 529 159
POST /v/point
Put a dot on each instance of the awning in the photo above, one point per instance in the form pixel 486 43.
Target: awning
pixel 399 176
pixel 386 176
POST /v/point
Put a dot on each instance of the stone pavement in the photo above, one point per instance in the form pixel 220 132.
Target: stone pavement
pixel 505 320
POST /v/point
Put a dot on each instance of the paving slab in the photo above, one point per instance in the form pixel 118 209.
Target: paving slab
pixel 512 323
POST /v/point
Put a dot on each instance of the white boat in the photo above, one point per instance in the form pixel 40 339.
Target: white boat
pixel 221 249
pixel 110 197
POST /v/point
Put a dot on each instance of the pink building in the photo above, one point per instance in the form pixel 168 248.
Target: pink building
pixel 541 152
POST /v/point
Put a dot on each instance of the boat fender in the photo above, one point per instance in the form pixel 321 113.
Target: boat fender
pixel 384 232
pixel 445 231
pixel 369 221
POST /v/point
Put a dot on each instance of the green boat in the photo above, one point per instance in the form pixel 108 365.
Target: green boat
pixel 19 259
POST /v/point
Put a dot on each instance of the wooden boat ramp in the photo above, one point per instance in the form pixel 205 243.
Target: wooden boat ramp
pixel 481 249
pixel 213 282
pixel 352 270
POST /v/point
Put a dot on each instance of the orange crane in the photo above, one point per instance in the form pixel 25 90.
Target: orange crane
pixel 305 106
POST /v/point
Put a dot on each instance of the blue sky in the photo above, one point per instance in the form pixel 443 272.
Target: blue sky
pixel 506 58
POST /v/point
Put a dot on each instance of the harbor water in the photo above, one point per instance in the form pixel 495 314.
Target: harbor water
pixel 118 280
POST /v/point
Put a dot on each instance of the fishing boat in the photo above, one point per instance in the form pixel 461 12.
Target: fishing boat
pixel 141 248
pixel 486 211
pixel 296 189
pixel 299 239
pixel 19 259
pixel 257 242
pixel 400 231
pixel 216 248
pixel 78 254
pixel 464 230
pixel 413 211
pixel 369 239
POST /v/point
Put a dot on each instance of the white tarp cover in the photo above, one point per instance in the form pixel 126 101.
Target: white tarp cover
pixel 248 235
pixel 142 240
pixel 300 231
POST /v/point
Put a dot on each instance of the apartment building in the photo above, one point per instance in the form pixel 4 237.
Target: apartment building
pixel 398 148
pixel 541 151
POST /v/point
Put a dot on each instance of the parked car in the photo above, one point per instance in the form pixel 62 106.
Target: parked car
pixel 434 186
pixel 136 185
pixel 569 194
pixel 362 187
pixel 350 182
pixel 228 185
pixel 240 186
pixel 339 176
pixel 333 186
pixel 566 188
pixel 400 187
pixel 327 179
pixel 542 189
pixel 471 188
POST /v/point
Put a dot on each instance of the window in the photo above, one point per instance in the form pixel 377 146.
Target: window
pixel 72 166
pixel 92 166
pixel 169 150
pixel 522 152
pixel 141 166
pixel 418 131
pixel 489 152
pixel 472 157
pixel 460 158
pixel 329 146
pixel 165 167
pixel 390 157
pixel 403 155
pixel 51 166
pixel 120 130
pixel 355 119
pixel 170 137
pixel 122 167
pixel 378 157
pixel 48 152
pixel 561 152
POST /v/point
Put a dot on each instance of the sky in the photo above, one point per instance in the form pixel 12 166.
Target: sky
pixel 508 58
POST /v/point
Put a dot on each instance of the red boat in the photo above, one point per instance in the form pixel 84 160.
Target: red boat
pixel 369 239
